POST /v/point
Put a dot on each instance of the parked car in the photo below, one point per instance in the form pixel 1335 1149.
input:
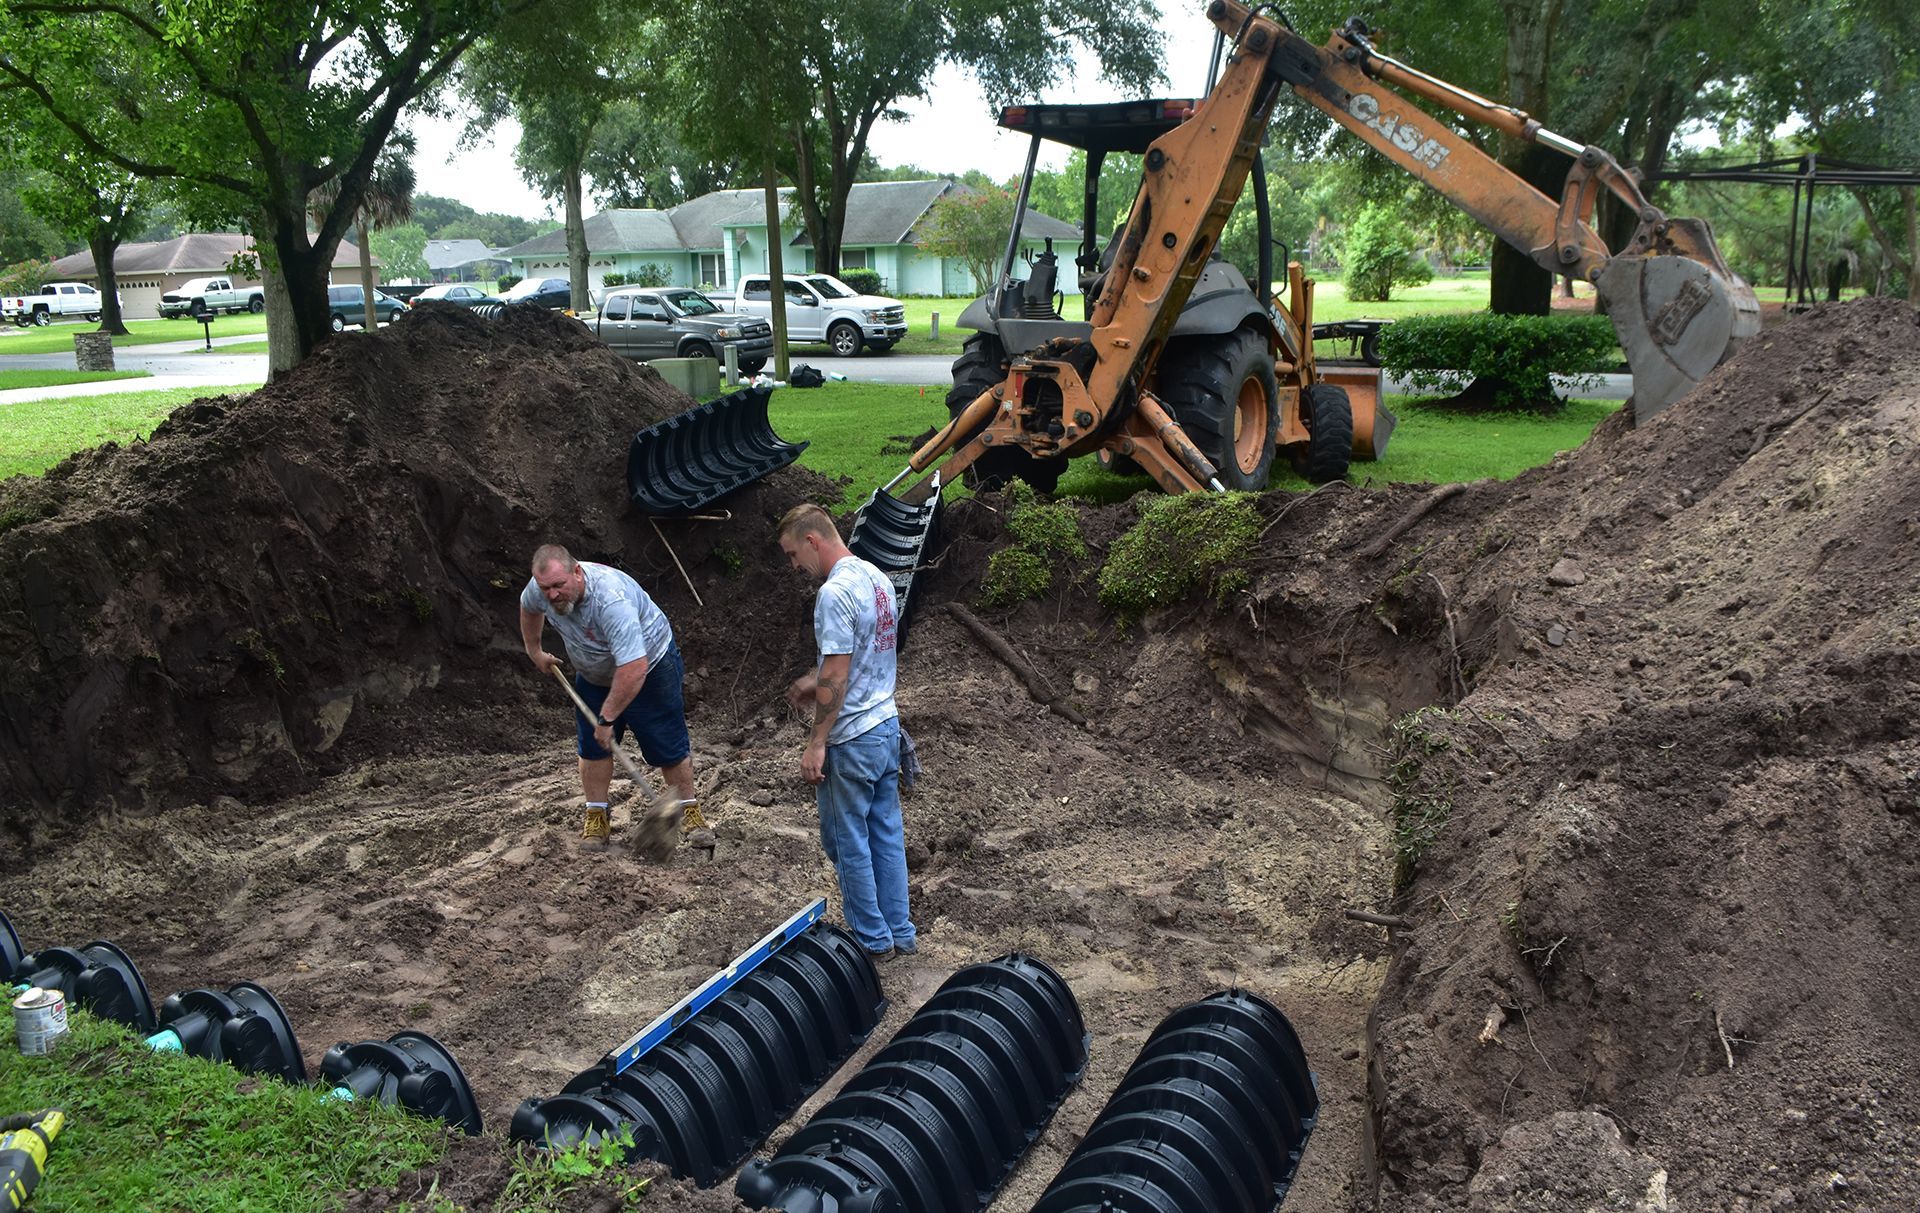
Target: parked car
pixel 204 296
pixel 820 307
pixel 50 301
pixel 645 322
pixel 349 306
pixel 458 293
pixel 554 294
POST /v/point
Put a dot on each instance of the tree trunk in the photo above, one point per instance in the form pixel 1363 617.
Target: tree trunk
pixel 776 272
pixel 372 319
pixel 573 188
pixel 1911 197
pixel 293 277
pixel 1519 287
pixel 104 241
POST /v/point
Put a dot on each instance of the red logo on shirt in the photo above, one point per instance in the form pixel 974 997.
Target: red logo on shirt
pixel 883 616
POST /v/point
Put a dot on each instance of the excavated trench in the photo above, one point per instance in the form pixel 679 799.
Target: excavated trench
pixel 264 716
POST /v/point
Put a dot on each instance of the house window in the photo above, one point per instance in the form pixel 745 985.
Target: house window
pixel 856 259
pixel 712 268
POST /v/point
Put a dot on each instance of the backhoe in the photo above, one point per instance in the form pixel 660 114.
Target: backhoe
pixel 1181 369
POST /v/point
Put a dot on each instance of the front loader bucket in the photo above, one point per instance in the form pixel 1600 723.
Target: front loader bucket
pixel 1677 319
pixel 895 538
pixel 689 461
pixel 1372 422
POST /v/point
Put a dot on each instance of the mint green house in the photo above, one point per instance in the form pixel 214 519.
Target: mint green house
pixel 711 240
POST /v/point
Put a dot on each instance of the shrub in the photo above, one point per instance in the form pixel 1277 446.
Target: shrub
pixel 1179 544
pixel 867 282
pixel 508 282
pixel 1507 359
pixel 650 274
pixel 24 276
pixel 1378 254
pixel 612 280
pixel 1043 533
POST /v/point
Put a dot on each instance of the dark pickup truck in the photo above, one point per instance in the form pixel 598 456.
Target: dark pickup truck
pixel 675 322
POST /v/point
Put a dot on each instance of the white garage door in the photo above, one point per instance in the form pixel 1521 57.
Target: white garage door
pixel 139 298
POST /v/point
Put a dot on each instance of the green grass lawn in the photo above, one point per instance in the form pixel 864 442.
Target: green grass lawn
pixel 11 380
pixel 36 434
pixel 58 338
pixel 150 1131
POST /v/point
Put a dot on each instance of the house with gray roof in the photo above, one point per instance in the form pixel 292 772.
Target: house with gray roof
pixel 711 240
pixel 146 270
pixel 462 261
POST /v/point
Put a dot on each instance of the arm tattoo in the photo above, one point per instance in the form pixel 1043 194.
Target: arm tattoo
pixel 828 712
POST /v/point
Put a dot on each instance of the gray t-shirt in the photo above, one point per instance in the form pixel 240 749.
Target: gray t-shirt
pixel 854 614
pixel 613 623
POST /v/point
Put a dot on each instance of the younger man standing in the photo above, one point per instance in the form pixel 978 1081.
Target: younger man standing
pixel 852 756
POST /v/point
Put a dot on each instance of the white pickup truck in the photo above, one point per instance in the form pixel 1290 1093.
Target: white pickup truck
pixel 210 295
pixel 820 307
pixel 51 301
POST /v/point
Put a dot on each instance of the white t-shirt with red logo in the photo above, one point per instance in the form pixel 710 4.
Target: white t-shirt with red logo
pixel 855 613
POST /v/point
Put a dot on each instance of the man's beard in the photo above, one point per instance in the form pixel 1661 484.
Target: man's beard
pixel 563 607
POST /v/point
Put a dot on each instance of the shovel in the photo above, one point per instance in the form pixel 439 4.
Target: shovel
pixel 656 827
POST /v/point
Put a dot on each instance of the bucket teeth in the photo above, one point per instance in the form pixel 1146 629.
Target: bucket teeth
pixel 691 460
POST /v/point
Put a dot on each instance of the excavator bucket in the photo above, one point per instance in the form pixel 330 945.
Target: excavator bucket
pixel 1677 319
pixel 1372 422
pixel 896 537
pixel 689 461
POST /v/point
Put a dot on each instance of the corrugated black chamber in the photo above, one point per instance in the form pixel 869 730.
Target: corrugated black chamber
pixel 409 1069
pixel 98 977
pixel 937 1120
pixel 897 538
pixel 1213 1116
pixel 693 459
pixel 11 952
pixel 244 1027
pixel 705 1097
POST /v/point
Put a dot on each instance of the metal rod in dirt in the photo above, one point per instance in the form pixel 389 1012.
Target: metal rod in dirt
pixel 676 563
pixel 663 1026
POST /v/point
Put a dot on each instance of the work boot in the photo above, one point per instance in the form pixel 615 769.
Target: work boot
pixel 691 819
pixel 596 828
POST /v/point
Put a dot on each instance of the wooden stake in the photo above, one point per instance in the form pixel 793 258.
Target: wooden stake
pixel 676 563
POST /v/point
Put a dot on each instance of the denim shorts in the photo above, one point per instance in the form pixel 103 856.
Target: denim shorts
pixel 657 716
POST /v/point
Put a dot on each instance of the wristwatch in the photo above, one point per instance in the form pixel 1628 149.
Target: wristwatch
pixel 603 720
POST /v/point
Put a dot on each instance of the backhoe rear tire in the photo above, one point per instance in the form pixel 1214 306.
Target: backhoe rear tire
pixel 981 365
pixel 1221 389
pixel 1329 418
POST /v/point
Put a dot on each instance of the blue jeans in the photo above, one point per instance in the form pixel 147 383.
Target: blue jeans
pixel 861 831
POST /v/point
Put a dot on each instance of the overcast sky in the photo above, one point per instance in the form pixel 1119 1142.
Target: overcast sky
pixel 954 132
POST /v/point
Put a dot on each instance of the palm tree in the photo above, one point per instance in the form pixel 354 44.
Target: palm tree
pixel 385 201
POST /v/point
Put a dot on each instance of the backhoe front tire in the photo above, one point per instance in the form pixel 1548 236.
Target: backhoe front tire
pixel 982 364
pixel 1329 419
pixel 1222 391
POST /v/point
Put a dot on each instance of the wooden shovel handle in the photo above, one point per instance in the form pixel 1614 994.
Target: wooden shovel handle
pixel 593 718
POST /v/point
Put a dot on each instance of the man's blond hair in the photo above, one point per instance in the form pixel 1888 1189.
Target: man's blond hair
pixel 807 519
pixel 553 553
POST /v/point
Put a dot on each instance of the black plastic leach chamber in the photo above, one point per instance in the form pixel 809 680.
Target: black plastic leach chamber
pixel 1212 1118
pixel 938 1119
pixel 709 1093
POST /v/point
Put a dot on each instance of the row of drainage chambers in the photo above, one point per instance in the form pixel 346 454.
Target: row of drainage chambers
pixel 1213 1114
pixel 243 1026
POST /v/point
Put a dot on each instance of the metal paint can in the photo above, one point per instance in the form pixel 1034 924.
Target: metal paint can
pixel 39 1020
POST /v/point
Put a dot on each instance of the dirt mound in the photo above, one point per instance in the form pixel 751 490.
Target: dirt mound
pixel 260 593
pixel 1670 838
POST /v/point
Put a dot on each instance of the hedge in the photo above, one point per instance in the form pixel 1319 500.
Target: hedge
pixel 1507 359
pixel 866 281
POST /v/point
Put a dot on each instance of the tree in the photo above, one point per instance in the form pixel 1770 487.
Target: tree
pixel 972 226
pixel 1377 254
pixel 24 235
pixel 386 201
pixel 403 251
pixel 99 204
pixel 250 105
pixel 854 60
pixel 557 71
pixel 638 158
